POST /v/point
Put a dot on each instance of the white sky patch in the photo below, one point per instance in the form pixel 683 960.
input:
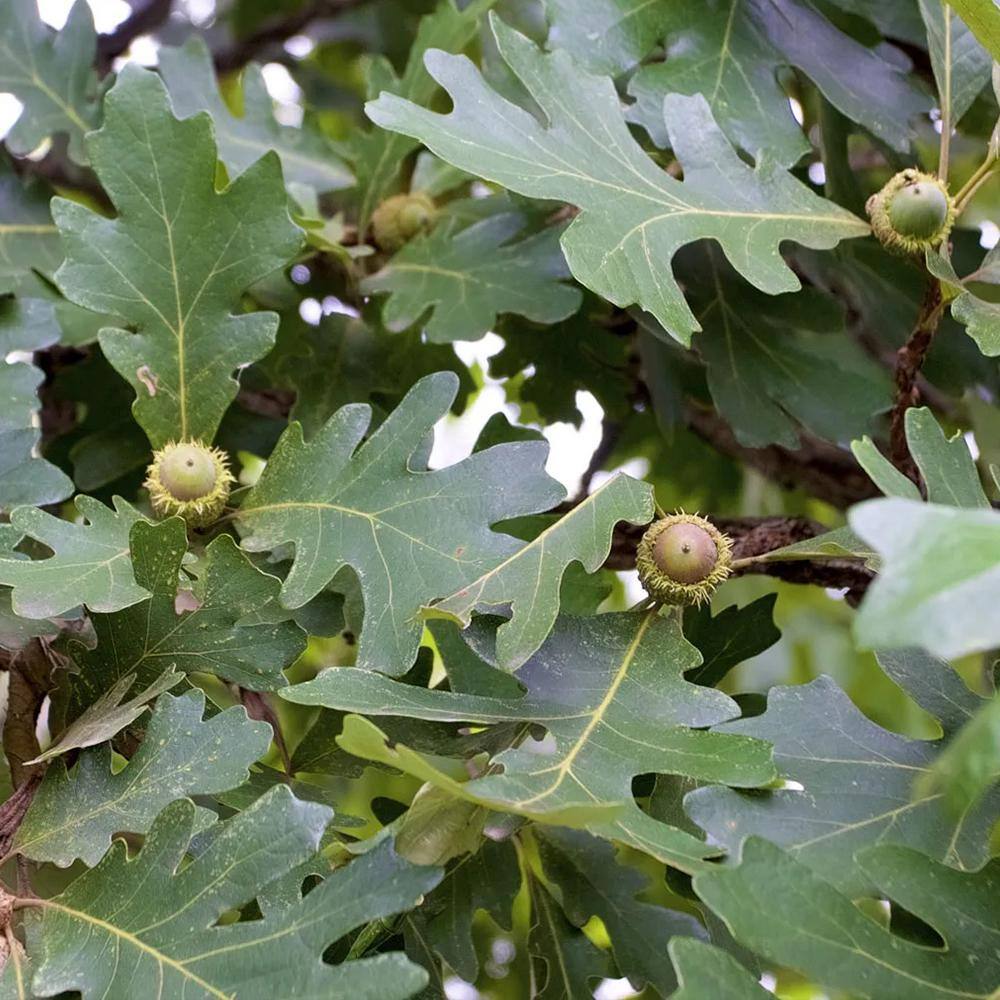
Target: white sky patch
pixel 614 989
pixel 989 234
pixel 108 14
pixel 144 50
pixel 285 92
pixel 311 310
pixel 797 112
pixel 199 12
pixel 10 111
pixel 817 173
pixel 973 445
pixel 299 46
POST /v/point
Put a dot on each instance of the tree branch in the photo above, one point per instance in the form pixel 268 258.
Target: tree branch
pixel 756 536
pixel 822 469
pixel 145 17
pixel 909 360
pixel 277 30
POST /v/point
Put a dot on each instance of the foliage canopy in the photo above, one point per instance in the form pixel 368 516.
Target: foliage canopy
pixel 448 302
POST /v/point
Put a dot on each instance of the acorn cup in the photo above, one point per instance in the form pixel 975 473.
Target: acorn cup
pixel 191 480
pixel 912 213
pixel 398 219
pixel 682 558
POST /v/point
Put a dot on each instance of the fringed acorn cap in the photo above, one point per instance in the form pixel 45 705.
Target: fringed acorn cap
pixel 682 558
pixel 191 480
pixel 912 213
pixel 399 218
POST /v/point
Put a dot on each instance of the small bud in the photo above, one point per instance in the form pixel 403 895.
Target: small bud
pixel 191 480
pixel 399 218
pixel 682 559
pixel 912 213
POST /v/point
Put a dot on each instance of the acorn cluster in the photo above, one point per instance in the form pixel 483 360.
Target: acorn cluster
pixel 912 213
pixel 682 558
pixel 191 480
pixel 399 218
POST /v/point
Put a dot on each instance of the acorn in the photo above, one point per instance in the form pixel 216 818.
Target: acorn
pixel 912 213
pixel 682 558
pixel 399 218
pixel 191 480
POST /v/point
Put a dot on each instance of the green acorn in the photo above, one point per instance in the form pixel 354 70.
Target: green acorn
pixel 399 218
pixel 191 480
pixel 912 213
pixel 682 558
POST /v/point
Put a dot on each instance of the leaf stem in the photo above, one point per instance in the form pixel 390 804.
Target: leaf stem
pixel 972 185
pixel 946 98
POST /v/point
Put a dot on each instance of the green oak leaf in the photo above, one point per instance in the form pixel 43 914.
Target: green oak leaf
pixel 565 962
pixel 109 715
pixel 204 635
pixel 377 155
pixel 790 915
pixel 980 317
pixel 633 216
pixel 968 767
pixel 15 631
pixel 176 260
pixel 859 781
pixel 90 564
pixel 25 477
pixel 306 156
pixel 29 240
pixel 51 74
pixel 550 375
pixel 610 691
pixel 410 535
pixel 866 86
pixel 779 363
pixel 984 20
pixel 487 881
pixel 606 36
pixel 529 580
pixel 347 360
pixel 731 51
pixel 716 48
pixel 162 920
pixel 728 638
pixel 961 65
pixel 77 811
pixel 585 877
pixel 706 971
pixel 467 278
pixel 946 465
pixel 940 577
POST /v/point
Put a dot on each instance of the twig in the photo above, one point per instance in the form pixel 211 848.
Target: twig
pixel 972 185
pixel 756 536
pixel 277 30
pixel 610 434
pixel 145 17
pixel 909 360
pixel 822 469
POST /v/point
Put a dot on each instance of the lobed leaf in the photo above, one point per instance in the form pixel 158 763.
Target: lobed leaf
pixel 176 260
pixel 633 216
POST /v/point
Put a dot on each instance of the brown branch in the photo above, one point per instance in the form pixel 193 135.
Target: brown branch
pixel 610 435
pixel 276 30
pixel 909 360
pixel 755 536
pixel 145 17
pixel 822 469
